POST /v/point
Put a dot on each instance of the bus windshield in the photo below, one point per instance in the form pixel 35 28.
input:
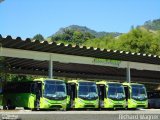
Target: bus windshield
pixel 54 89
pixel 138 92
pixel 87 90
pixel 116 91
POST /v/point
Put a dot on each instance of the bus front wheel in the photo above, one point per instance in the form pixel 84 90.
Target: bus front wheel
pixel 9 105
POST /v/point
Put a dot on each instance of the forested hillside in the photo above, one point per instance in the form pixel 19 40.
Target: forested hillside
pixel 75 34
pixel 152 24
pixel 137 40
pixel 143 39
pixel 85 29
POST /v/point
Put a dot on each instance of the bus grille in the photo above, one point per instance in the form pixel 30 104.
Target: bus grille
pixel 56 106
pixel 140 106
pixel 89 106
pixel 118 106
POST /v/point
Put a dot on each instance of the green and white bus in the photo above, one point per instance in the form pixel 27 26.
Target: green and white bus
pixel 111 95
pixel 136 95
pixel 43 93
pixel 83 94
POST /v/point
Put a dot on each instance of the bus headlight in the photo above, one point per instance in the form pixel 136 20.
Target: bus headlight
pixel 97 101
pixel 110 101
pixel 46 101
pixel 81 101
pixel 63 103
pixel 134 101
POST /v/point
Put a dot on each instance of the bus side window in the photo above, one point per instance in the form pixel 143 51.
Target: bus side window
pixel 32 88
pixel 99 91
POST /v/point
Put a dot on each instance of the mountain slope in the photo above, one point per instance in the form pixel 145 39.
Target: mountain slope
pixel 85 29
pixel 152 24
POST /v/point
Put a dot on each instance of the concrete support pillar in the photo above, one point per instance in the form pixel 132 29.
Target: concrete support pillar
pixel 128 73
pixel 50 74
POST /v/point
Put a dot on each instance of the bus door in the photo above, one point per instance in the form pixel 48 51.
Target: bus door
pixel 127 92
pixel 38 92
pixel 102 94
pixel 72 91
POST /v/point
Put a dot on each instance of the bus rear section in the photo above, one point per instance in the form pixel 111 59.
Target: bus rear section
pixel 83 94
pixel 37 94
pixel 136 95
pixel 153 99
pixel 111 95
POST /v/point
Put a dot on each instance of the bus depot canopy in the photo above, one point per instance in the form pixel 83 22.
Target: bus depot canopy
pixel 32 57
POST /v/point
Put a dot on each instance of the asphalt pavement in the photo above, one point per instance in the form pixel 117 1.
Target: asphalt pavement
pixel 142 114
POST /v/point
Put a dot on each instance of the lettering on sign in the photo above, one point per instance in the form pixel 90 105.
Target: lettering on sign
pixel 107 61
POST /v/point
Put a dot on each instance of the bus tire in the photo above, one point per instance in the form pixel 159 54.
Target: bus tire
pixel 149 106
pixel 5 107
pixel 63 109
pixel 26 108
pixel 37 105
pixel 10 106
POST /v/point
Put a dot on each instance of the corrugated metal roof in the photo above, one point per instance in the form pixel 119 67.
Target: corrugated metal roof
pixel 61 48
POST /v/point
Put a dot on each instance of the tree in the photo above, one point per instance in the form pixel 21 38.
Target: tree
pixel 101 42
pixel 137 40
pixel 38 37
pixel 72 36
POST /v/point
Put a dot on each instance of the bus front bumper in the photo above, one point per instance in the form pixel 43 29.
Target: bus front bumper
pixel 114 104
pixel 53 104
pixel 137 104
pixel 79 103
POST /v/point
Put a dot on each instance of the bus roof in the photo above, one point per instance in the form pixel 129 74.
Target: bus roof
pixel 106 82
pixel 128 84
pixel 43 79
pixel 77 81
